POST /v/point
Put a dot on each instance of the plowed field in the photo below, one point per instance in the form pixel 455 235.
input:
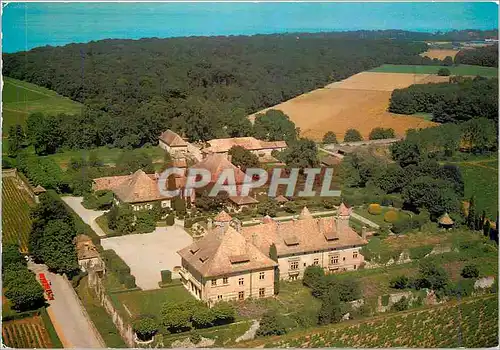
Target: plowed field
pixel 359 102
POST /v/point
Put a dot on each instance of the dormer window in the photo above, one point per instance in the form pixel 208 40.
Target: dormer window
pixel 291 241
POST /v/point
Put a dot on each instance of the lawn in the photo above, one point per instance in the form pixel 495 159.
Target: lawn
pixel 21 98
pixel 16 222
pixel 379 219
pixel 462 69
pixel 99 316
pixel 150 301
pixel 470 323
pixel 481 181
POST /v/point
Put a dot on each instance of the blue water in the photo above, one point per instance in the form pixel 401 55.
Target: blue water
pixel 28 25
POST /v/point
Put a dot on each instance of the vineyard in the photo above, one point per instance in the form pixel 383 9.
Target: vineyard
pixel 472 324
pixel 16 204
pixel 26 333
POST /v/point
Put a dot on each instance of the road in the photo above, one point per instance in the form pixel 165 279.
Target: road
pixel 67 313
pixel 88 216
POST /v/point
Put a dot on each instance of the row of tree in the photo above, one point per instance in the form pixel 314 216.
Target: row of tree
pixel 459 100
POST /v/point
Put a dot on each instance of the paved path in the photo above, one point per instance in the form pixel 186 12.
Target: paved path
pixel 67 313
pixel 148 253
pixel 364 220
pixel 88 216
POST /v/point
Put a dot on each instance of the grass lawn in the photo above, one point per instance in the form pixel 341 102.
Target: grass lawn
pixel 99 316
pixel 21 98
pixel 378 219
pixel 151 301
pixel 481 181
pixel 462 69
pixel 425 116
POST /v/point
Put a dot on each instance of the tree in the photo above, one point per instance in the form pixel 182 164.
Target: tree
pixel 405 152
pixel 243 158
pixel 11 256
pixel 144 222
pixel 401 305
pixel 331 310
pixel 268 207
pixel 381 133
pixel 302 153
pixel 312 275
pixel 471 216
pixel 271 324
pixel 223 313
pixel 145 327
pixel 179 205
pixel 448 61
pixel 400 282
pixel 352 135
pixel 130 161
pixel 479 134
pixel 176 317
pixel 22 289
pixel 486 228
pixel 203 317
pixel 470 271
pixel 16 139
pixel 274 125
pixel 44 133
pixel 100 200
pixel 330 137
pixel 443 72
pixel 56 247
pixel 431 276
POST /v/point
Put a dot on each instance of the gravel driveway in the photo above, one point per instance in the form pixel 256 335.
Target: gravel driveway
pixel 88 216
pixel 148 253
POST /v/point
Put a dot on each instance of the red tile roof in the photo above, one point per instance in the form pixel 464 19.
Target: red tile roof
pixel 172 139
pixel 223 217
pixel 249 143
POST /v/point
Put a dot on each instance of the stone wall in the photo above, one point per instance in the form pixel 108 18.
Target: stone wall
pixel 122 325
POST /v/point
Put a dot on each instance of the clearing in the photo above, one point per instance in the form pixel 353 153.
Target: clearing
pixel 474 319
pixel 461 69
pixel 359 102
pixel 439 53
pixel 16 222
pixel 21 98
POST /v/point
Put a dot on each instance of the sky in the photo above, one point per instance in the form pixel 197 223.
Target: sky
pixel 29 25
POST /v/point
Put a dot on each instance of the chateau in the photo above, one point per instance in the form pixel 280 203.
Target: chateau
pixel 232 262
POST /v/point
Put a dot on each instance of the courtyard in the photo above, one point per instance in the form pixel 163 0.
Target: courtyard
pixel 149 253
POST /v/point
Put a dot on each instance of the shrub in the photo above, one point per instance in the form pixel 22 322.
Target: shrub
pixel 352 135
pixel 391 216
pixel 385 299
pixel 397 202
pixel 312 276
pixel 170 221
pixel 223 313
pixel 470 271
pixel 401 305
pixel 129 281
pixel 271 324
pixel 166 276
pixel 375 209
pixel 145 327
pixel 195 337
pixel 330 137
pixel 443 72
pixel 420 252
pixel 202 317
pixel 400 282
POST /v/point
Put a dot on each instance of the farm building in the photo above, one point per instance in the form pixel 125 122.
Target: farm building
pixel 216 164
pixel 88 256
pixel 260 148
pixel 173 143
pixel 237 203
pixel 223 265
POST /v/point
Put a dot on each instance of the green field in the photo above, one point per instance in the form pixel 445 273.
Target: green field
pixel 476 320
pixel 481 181
pixel 461 69
pixel 16 203
pixel 21 98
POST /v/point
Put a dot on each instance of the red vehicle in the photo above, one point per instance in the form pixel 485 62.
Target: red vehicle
pixel 46 286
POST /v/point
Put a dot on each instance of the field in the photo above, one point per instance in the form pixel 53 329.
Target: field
pixel 470 323
pixel 28 332
pixel 481 181
pixel 462 69
pixel 439 53
pixel 16 222
pixel 21 98
pixel 358 102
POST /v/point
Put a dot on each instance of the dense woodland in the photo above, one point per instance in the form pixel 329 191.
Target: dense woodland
pixel 202 86
pixel 482 56
pixel 459 100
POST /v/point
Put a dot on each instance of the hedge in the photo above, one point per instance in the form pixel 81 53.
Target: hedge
pixel 391 216
pixel 170 220
pixel 166 276
pixel 115 264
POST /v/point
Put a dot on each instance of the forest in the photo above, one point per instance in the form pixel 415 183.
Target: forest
pixel 482 56
pixel 201 86
pixel 459 100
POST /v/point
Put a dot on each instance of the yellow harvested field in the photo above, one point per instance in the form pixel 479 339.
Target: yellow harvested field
pixel 359 102
pixel 439 53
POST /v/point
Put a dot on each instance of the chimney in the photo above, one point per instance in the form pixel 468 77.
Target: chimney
pixel 363 232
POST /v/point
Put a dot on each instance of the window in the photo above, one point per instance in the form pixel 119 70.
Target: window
pixel 241 295
pixel 241 281
pixel 316 262
pixel 293 277
pixel 262 292
pixel 214 282
pixel 294 265
pixel 354 255
pixel 334 260
pixel 224 280
pixel 262 275
pixel 343 259
pixel 305 264
pixel 219 297
pixel 354 267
